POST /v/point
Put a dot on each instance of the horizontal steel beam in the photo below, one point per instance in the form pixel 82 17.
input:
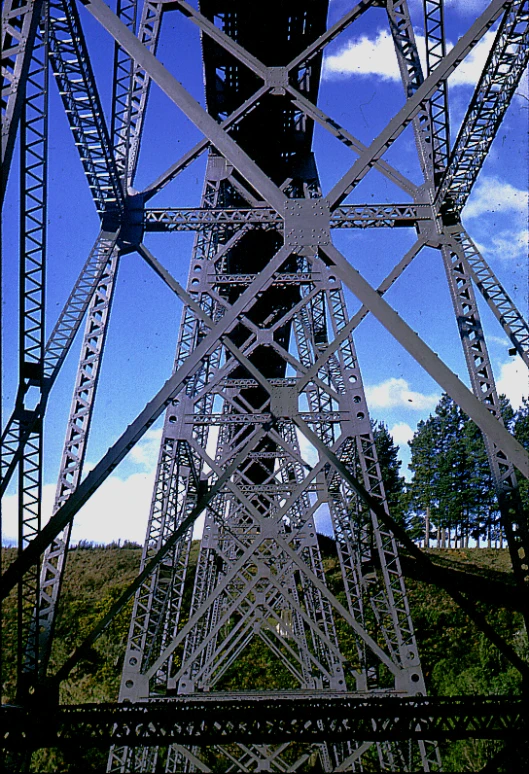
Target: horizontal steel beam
pixel 346 216
pixel 203 720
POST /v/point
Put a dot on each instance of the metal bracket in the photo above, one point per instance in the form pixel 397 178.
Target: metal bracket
pixel 307 223
pixel 284 401
pixel 277 80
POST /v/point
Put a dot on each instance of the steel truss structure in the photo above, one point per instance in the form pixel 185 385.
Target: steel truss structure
pixel 265 366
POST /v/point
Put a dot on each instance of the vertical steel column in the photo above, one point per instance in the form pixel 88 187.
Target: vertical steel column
pixel 33 222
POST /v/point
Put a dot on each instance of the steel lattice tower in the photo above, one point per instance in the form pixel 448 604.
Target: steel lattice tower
pixel 266 363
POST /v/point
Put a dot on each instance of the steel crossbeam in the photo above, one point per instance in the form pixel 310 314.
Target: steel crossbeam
pixel 346 216
pixel 74 451
pixel 22 421
pixel 434 34
pixel 205 720
pixel 265 364
pixel 33 206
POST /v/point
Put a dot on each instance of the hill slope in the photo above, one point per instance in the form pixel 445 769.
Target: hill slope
pixel 456 658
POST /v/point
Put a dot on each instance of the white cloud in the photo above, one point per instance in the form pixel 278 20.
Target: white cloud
pixel 491 200
pixel 492 194
pixel 509 245
pixel 375 56
pixel 396 392
pixel 146 451
pixel 401 433
pixel 513 382
pixel 117 511
pixel 364 56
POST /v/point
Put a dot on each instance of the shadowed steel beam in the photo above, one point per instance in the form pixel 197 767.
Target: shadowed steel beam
pixel 189 106
pixel 78 90
pixel 166 177
pixel 490 287
pixel 442 578
pixel 207 720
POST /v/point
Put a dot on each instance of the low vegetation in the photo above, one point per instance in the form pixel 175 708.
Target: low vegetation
pixel 456 657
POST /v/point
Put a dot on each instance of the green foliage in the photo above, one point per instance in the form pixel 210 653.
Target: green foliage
pixel 452 487
pixel 390 464
pixel 456 657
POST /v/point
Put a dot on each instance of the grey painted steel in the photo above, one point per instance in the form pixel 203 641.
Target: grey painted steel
pixel 262 522
pixel 434 33
pixel 73 456
pixel 513 519
pixel 505 66
pixel 22 421
pixel 78 90
pixel 132 98
pixel 411 341
pixel 346 216
pixel 19 26
pixel 413 105
pixel 136 430
pixel 490 287
pixel 181 97
pixel 34 220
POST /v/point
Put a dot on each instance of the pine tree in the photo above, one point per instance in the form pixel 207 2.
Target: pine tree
pixel 390 464
pixel 521 433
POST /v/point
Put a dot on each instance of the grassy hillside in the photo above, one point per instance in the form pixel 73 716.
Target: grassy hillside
pixel 456 658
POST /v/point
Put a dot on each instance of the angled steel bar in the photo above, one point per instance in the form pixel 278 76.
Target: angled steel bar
pixel 412 77
pixel 267 74
pixel 23 420
pixel 428 359
pixel 164 179
pixel 490 287
pixel 150 566
pixel 220 37
pixel 413 105
pixel 429 567
pixel 348 139
pixel 128 131
pixel 502 72
pixel 329 35
pixel 20 19
pixel 176 92
pixel 73 456
pixel 33 225
pixel 127 11
pixel 434 33
pixel 467 316
pixel 513 518
pixel 135 431
pixel 78 90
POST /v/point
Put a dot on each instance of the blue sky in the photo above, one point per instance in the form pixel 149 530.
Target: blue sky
pixel 360 89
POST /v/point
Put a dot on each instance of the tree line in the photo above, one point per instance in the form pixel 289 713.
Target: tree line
pixel 450 500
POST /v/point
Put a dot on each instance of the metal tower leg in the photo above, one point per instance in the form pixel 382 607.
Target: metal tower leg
pixel 73 456
pixel 34 139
